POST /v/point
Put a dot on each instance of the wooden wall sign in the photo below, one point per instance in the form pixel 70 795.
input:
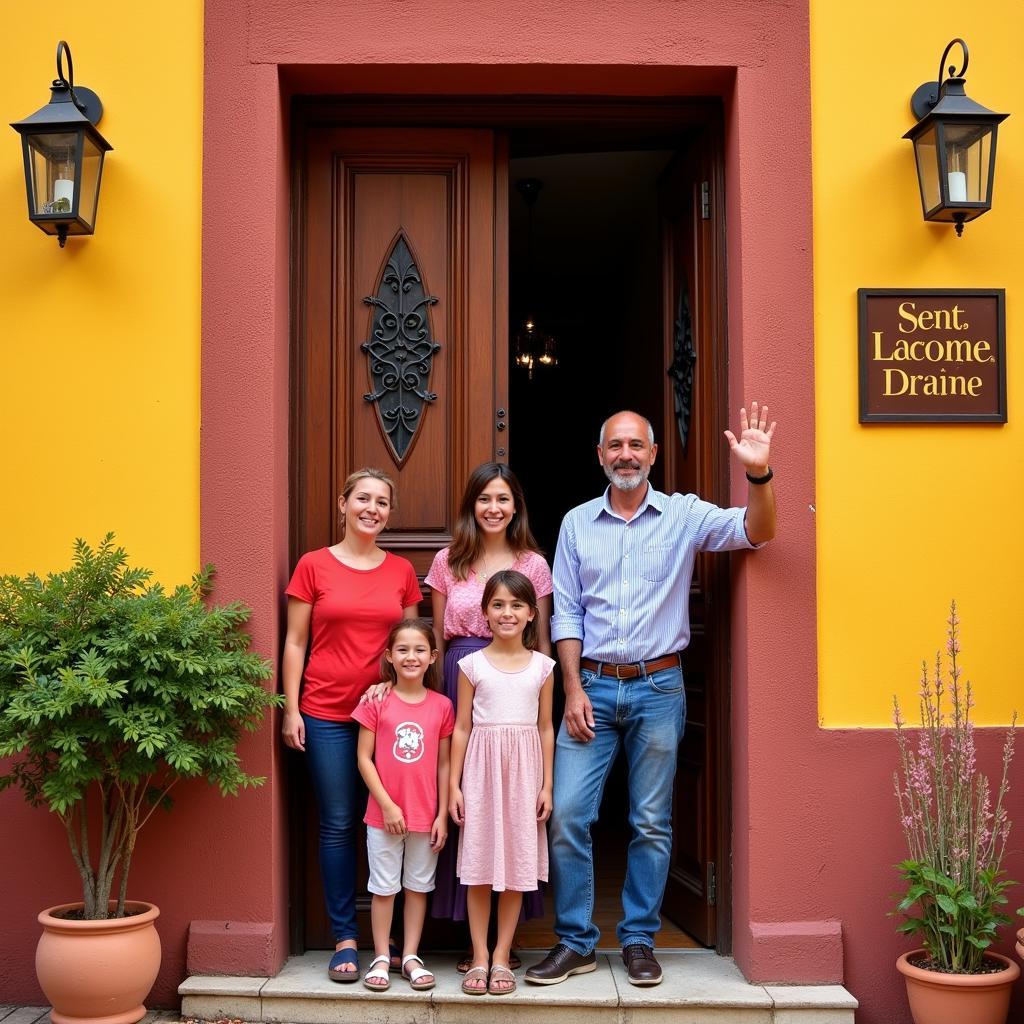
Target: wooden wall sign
pixel 932 355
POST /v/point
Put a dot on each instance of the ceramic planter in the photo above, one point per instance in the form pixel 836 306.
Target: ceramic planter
pixel 98 970
pixel 937 998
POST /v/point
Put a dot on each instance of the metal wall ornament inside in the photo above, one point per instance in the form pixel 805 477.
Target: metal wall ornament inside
pixel 684 360
pixel 400 350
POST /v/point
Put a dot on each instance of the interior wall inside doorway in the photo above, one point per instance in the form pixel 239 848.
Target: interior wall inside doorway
pixel 595 286
pixel 592 279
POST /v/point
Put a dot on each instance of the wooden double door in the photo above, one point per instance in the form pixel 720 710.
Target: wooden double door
pixel 401 360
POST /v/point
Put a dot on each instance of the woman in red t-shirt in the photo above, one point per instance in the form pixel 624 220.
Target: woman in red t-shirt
pixel 342 600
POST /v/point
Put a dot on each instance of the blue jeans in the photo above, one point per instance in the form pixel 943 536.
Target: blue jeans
pixel 341 801
pixel 645 715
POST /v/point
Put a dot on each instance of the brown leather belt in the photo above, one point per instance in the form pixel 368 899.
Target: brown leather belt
pixel 631 669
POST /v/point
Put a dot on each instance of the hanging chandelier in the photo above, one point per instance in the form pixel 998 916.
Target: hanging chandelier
pixel 532 346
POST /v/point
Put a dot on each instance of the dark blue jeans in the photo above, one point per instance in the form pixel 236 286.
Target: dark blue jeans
pixel 645 716
pixel 341 801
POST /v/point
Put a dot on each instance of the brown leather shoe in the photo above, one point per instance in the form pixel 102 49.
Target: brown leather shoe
pixel 559 964
pixel 641 966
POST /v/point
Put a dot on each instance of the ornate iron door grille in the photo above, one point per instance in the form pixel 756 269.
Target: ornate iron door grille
pixel 401 349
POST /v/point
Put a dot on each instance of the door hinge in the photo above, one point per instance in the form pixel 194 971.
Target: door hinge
pixel 712 889
pixel 705 200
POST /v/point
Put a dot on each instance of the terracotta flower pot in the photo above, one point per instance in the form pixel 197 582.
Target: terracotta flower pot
pixel 937 998
pixel 98 970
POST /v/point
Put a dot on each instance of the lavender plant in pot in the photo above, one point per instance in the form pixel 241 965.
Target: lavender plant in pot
pixel 956 838
pixel 112 691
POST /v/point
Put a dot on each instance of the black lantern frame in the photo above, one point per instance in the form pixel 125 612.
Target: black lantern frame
pixel 63 155
pixel 954 147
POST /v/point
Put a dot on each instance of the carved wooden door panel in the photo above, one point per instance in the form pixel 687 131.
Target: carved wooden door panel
pixel 695 458
pixel 400 347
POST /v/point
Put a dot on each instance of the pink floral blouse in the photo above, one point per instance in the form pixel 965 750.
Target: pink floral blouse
pixel 462 614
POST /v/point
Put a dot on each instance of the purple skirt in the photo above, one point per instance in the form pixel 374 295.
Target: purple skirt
pixel 449 895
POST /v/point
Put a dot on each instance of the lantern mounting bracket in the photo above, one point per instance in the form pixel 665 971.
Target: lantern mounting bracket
pixel 927 95
pixel 83 98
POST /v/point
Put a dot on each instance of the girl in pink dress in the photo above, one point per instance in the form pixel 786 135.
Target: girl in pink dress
pixel 492 532
pixel 501 771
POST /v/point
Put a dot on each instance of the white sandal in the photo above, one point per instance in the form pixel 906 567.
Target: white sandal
pixel 415 975
pixel 378 973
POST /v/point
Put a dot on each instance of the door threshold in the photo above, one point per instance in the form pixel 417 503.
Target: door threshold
pixel 700 981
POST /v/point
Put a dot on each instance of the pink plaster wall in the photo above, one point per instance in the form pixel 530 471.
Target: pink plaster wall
pixel 200 860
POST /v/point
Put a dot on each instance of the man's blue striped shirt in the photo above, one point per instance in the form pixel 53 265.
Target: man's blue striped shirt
pixel 623 587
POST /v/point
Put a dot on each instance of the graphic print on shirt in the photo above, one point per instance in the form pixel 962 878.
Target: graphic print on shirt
pixel 408 746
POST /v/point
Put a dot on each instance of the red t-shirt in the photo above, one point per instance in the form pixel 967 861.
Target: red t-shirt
pixel 405 747
pixel 353 609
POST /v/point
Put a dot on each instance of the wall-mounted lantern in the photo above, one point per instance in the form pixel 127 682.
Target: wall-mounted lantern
pixel 64 156
pixel 955 147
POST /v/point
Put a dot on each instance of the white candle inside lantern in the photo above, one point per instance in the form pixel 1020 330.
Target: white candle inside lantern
pixel 957 187
pixel 64 188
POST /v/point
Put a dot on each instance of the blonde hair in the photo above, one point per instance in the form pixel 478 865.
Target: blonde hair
pixel 366 473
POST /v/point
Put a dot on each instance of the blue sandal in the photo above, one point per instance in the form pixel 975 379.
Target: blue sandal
pixel 344 956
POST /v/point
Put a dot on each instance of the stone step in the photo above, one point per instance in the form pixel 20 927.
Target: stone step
pixel 699 988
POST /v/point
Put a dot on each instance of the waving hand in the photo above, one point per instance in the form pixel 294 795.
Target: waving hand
pixel 754 441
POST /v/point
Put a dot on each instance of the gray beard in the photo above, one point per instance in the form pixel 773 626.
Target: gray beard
pixel 624 483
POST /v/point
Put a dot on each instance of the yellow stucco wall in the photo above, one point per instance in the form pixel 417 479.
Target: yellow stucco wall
pixel 911 516
pixel 99 342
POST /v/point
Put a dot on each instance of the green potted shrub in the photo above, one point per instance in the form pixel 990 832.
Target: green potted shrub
pixel 956 837
pixel 113 690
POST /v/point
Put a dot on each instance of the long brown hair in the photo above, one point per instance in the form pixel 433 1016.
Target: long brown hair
pixel 520 587
pixel 367 472
pixel 467 544
pixel 431 679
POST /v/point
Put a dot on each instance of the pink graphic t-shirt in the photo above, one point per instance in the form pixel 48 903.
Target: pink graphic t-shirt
pixel 462 614
pixel 407 738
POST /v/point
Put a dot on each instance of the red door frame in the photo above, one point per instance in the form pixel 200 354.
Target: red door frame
pixel 755 58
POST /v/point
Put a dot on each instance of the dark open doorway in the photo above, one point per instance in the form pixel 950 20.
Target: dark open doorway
pixel 594 287
pixel 585 303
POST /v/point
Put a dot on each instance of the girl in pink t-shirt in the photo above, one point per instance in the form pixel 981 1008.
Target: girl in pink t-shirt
pixel 492 533
pixel 403 758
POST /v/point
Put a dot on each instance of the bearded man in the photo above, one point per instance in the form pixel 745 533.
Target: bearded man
pixel 621 594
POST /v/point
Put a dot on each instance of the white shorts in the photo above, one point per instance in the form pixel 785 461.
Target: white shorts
pixel 385 855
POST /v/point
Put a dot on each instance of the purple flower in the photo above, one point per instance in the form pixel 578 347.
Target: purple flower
pixel 946 810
